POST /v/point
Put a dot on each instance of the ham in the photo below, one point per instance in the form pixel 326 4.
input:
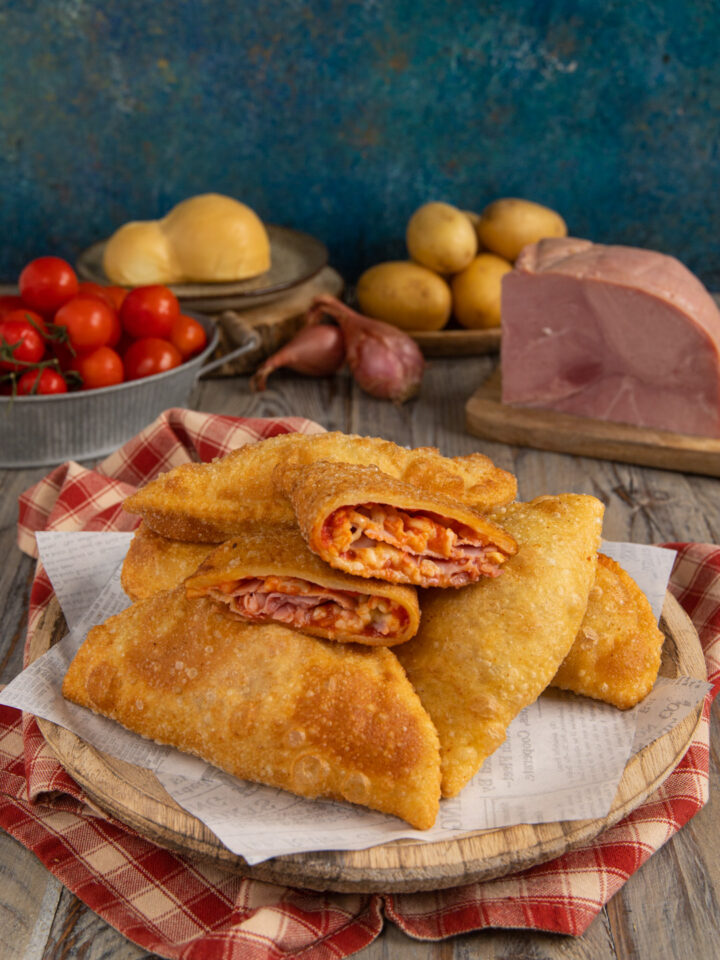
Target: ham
pixel 301 604
pixel 611 332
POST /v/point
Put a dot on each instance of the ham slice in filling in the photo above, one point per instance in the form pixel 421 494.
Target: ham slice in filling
pixel 309 606
pixel 408 546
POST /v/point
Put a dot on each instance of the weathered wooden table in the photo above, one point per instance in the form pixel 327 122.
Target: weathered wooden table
pixel 669 909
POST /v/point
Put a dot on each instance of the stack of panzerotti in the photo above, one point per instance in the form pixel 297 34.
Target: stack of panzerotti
pixel 342 617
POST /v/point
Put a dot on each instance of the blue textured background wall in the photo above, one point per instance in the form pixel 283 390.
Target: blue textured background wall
pixel 341 117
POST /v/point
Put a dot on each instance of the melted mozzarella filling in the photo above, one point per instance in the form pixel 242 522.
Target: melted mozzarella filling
pixel 429 550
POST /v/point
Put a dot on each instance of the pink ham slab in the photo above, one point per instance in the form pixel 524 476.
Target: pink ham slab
pixel 615 333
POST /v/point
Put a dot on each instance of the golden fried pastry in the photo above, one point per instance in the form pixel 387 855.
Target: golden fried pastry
pixel 616 654
pixel 269 574
pixel 154 564
pixel 361 520
pixel 209 502
pixel 485 652
pixel 264 703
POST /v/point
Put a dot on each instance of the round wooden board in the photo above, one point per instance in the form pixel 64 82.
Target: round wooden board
pixel 134 796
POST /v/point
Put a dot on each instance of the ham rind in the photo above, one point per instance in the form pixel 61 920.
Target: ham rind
pixel 610 332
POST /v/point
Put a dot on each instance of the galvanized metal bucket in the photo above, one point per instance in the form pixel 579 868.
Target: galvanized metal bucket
pixel 40 431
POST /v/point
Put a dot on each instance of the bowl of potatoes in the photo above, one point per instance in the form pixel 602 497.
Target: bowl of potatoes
pixel 447 294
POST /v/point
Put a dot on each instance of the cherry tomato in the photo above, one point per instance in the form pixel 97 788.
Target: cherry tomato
pixel 116 294
pixel 30 316
pixel 116 332
pixel 188 336
pixel 149 312
pixel 89 289
pixel 10 303
pixel 99 368
pixel 64 355
pixel 86 288
pixel 149 355
pixel 20 344
pixel 41 382
pixel 89 322
pixel 113 296
pixel 47 283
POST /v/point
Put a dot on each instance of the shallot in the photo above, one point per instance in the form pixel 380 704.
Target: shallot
pixel 317 351
pixel 385 362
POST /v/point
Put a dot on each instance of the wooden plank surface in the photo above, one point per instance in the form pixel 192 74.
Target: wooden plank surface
pixel 487 417
pixel 668 909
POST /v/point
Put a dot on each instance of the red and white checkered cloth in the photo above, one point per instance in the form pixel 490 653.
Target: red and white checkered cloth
pixel 178 907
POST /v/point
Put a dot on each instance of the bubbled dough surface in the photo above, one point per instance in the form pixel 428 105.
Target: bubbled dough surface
pixel 154 563
pixel 616 654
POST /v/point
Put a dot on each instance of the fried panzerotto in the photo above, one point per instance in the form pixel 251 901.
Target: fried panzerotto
pixel 616 654
pixel 367 523
pixel 264 703
pixel 154 564
pixel 269 574
pixel 209 502
pixel 485 652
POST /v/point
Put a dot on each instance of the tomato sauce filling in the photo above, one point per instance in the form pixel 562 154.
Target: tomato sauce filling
pixel 302 604
pixel 376 539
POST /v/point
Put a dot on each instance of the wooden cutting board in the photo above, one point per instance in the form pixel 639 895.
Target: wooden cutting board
pixel 487 417
pixel 134 796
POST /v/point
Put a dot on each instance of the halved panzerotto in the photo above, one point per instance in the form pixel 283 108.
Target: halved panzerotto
pixel 269 574
pixel 361 520
pixel 211 502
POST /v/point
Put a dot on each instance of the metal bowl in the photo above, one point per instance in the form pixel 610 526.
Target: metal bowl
pixel 40 431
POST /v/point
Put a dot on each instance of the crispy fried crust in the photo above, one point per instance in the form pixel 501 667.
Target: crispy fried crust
pixel 317 489
pixel 264 703
pixel 154 564
pixel 207 502
pixel 268 550
pixel 484 652
pixel 616 654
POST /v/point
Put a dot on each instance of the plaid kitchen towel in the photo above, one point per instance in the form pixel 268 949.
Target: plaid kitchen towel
pixel 179 907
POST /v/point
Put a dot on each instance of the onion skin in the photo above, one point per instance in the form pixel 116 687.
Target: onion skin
pixel 316 351
pixel 384 361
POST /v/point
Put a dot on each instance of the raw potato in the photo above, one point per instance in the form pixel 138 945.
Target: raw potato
pixel 473 217
pixel 405 294
pixel 506 226
pixel 441 237
pixel 476 292
pixel 208 238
